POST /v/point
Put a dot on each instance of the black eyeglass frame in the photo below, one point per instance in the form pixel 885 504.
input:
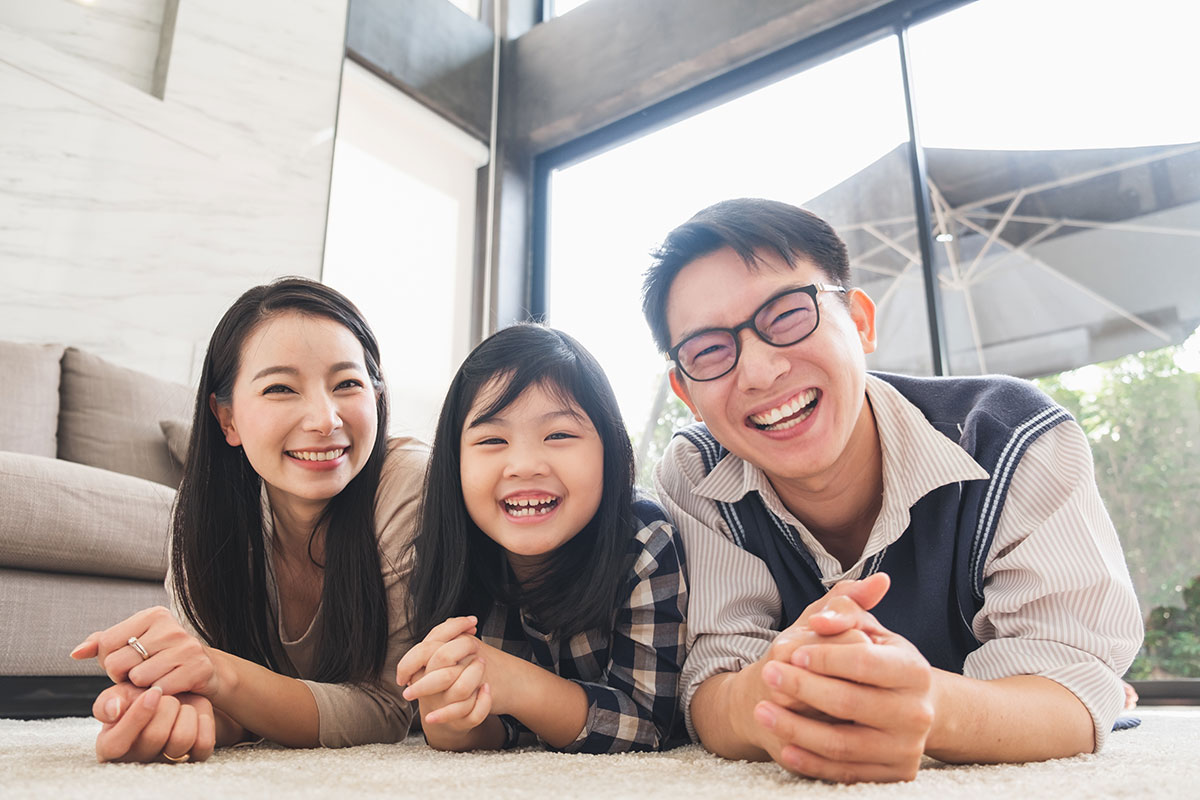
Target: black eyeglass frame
pixel 812 290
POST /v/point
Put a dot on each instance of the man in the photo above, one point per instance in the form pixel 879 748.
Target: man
pixel 1010 616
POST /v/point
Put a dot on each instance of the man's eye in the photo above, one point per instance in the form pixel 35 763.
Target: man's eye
pixel 711 352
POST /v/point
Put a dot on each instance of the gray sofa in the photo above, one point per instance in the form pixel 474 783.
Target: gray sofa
pixel 87 479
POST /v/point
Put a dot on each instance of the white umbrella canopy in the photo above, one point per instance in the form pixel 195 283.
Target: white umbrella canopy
pixel 1047 260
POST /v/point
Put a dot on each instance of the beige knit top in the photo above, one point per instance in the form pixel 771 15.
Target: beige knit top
pixel 352 714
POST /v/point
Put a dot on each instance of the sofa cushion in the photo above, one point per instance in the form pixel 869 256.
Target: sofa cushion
pixel 46 614
pixel 109 418
pixel 29 397
pixel 179 438
pixel 68 517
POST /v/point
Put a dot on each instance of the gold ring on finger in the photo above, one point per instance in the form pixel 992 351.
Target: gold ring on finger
pixel 141 650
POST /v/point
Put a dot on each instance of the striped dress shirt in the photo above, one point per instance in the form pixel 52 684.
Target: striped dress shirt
pixel 1058 601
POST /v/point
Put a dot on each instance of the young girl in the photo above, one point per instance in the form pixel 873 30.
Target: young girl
pixel 550 601
pixel 292 510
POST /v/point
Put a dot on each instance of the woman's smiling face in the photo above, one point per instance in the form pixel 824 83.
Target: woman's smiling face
pixel 303 409
pixel 533 474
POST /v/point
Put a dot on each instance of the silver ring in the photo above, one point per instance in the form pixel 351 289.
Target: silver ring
pixel 183 758
pixel 141 651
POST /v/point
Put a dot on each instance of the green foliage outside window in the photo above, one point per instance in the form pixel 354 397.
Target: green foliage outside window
pixel 1142 416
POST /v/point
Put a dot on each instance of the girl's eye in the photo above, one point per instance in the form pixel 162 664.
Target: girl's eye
pixel 561 435
pixel 277 388
pixel 493 440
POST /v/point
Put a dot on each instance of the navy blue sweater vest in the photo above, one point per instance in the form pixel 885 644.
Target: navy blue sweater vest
pixel 936 565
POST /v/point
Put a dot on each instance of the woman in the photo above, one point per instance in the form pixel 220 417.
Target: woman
pixel 285 574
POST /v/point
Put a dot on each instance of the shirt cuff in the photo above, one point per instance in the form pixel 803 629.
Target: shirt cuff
pixel 712 655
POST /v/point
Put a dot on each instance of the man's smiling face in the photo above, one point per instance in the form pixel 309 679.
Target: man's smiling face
pixel 790 411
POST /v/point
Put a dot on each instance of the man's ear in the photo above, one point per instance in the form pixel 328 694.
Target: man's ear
pixel 224 415
pixel 862 312
pixel 680 390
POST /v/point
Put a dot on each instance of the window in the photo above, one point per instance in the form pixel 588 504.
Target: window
pixel 1066 185
pixel 608 212
pixel 1062 164
pixel 400 238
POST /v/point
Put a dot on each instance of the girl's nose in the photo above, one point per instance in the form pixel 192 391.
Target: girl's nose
pixel 525 462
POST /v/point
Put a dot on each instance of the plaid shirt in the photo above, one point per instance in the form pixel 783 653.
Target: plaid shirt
pixel 630 673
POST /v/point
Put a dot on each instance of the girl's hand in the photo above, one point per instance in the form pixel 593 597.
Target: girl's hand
pixel 175 660
pixel 451 682
pixel 143 726
pixel 413 665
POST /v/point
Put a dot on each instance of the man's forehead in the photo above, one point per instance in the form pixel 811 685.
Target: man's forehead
pixel 719 289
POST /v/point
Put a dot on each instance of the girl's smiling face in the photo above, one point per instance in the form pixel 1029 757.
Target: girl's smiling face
pixel 532 474
pixel 303 409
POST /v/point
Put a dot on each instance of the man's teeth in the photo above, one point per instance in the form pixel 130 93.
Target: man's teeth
pixel 527 508
pixel 315 455
pixel 790 409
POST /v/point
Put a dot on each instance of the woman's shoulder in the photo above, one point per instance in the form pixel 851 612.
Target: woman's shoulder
pixel 400 485
pixel 404 463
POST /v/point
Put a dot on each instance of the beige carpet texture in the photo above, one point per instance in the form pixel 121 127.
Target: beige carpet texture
pixel 54 759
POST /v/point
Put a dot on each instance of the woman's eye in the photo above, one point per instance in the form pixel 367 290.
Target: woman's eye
pixel 349 383
pixel 561 435
pixel 277 388
pixel 493 440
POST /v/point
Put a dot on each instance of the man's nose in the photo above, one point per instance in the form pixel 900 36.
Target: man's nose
pixel 760 364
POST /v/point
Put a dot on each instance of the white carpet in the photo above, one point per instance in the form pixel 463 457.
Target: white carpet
pixel 54 759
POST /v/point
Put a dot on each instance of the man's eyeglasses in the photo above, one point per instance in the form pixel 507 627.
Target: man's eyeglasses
pixel 785 319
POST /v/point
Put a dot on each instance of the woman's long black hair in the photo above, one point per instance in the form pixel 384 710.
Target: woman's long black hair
pixel 218 550
pixel 457 569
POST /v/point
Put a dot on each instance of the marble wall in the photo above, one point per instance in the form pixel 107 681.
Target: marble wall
pixel 128 223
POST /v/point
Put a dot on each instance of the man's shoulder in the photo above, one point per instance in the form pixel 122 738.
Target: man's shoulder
pixel 953 400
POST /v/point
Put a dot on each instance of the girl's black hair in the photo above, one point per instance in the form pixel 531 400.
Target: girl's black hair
pixel 218 549
pixel 457 569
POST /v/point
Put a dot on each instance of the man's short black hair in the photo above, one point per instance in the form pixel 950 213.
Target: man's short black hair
pixel 745 225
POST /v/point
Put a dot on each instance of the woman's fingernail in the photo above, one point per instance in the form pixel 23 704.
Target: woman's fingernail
pixel 112 709
pixel 828 613
pixel 151 697
pixel 77 648
pixel 764 716
pixel 800 658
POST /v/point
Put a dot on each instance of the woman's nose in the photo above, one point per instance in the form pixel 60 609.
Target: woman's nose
pixel 322 416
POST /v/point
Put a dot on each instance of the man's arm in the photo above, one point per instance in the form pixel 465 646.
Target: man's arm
pixel 1058 602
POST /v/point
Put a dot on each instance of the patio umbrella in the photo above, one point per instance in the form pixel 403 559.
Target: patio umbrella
pixel 1047 260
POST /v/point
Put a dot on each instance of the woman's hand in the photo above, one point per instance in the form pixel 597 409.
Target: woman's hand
pixel 143 725
pixel 174 661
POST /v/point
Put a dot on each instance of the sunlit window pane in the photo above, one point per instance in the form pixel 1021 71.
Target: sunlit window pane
pixel 826 138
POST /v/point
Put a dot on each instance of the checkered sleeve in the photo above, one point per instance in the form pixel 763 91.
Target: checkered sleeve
pixel 635 703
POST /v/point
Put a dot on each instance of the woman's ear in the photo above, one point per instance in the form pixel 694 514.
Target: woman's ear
pixel 224 415
pixel 680 389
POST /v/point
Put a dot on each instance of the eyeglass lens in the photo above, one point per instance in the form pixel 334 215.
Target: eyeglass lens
pixel 785 320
